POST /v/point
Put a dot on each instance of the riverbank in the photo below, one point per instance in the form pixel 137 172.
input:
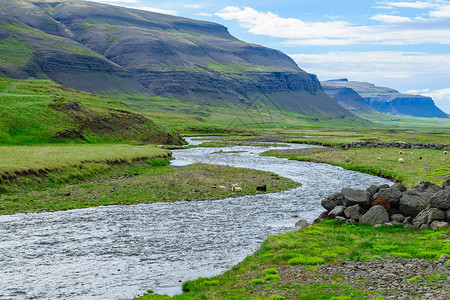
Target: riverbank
pixel 418 164
pixel 335 261
pixel 134 182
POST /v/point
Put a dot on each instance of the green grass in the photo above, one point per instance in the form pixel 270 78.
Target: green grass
pixel 40 112
pixel 127 181
pixel 313 244
pixel 433 166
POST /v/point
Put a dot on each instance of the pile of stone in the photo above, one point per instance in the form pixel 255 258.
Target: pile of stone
pixel 426 206
pixel 400 145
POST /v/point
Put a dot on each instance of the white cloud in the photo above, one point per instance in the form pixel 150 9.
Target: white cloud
pixel 159 10
pixel 390 18
pixel 193 6
pixel 441 12
pixel 417 4
pixel 118 1
pixel 373 65
pixel 299 32
pixel 204 14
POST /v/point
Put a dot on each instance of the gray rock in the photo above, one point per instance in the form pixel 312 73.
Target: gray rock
pixel 323 216
pixel 302 224
pixel 441 200
pixel 352 197
pixel 377 225
pixel 447 188
pixel 429 187
pixel 439 225
pixel 332 201
pixel 373 189
pixel 340 219
pixel 421 218
pixel 354 212
pixel 424 227
pixel 435 214
pixel 412 202
pixel 408 226
pixel 388 224
pixel 398 218
pixel 446 183
pixel 375 215
pixel 337 211
pixel 447 215
pixel 442 258
pixel 392 195
pixel 399 186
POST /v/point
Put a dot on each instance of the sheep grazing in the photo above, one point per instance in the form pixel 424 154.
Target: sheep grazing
pixel 378 158
pixel 160 146
pixel 236 189
pixel 400 152
pixel 317 155
pixel 411 153
pixel 420 157
pixel 347 159
pixel 401 160
pixel 221 187
pixel 262 188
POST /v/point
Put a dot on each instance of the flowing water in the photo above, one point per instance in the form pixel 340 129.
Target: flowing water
pixel 121 251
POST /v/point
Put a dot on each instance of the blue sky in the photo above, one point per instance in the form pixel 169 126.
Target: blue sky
pixel 399 44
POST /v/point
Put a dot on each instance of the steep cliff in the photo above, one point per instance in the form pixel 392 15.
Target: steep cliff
pixel 348 98
pixel 103 48
pixel 387 100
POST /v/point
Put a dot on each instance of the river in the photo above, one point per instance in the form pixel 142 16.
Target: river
pixel 121 251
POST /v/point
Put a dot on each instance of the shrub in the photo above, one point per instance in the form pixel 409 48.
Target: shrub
pixel 306 260
pixel 329 254
pixel 269 271
pixel 277 297
pixel 257 281
pixel 272 278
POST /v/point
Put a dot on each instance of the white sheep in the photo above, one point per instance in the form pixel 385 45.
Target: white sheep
pixel 347 159
pixel 400 152
pixel 221 187
pixel 236 189
pixel 378 158
pixel 401 160
pixel 317 155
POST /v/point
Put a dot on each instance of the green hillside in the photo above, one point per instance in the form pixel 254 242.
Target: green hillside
pixel 40 111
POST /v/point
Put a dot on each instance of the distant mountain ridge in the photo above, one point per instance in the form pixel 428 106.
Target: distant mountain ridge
pixel 103 48
pixel 387 100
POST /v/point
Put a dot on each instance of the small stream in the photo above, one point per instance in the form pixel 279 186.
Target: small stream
pixel 121 251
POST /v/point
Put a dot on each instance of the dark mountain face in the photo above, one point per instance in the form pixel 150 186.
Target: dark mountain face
pixel 103 48
pixel 387 100
pixel 348 98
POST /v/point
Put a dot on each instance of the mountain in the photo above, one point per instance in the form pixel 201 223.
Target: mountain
pixel 40 111
pixel 108 49
pixel 348 98
pixel 387 100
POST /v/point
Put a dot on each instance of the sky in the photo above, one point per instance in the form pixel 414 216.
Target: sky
pixel 403 45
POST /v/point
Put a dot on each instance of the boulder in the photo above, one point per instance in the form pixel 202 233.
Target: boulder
pixel 412 202
pixel 323 216
pixel 447 215
pixel 439 225
pixel 392 195
pixel 399 186
pixel 375 215
pixel 408 226
pixel 424 227
pixel 441 200
pixel 446 183
pixel 332 201
pixel 429 187
pixel 373 189
pixel 352 197
pixel 354 212
pixel 340 219
pixel 398 218
pixel 435 214
pixel 302 224
pixel 421 218
pixel 337 211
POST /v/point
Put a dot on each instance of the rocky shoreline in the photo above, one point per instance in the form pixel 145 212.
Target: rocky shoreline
pixel 375 144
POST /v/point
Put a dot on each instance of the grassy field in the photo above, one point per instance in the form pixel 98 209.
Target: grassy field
pixel 420 164
pixel 290 266
pixel 42 112
pixel 72 177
